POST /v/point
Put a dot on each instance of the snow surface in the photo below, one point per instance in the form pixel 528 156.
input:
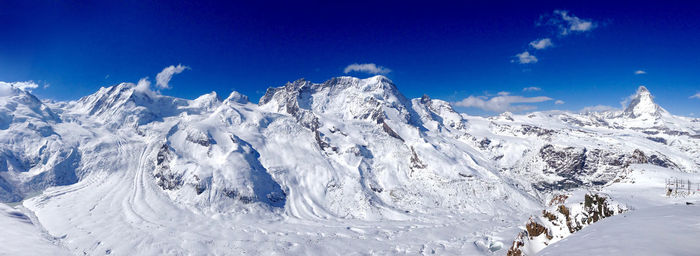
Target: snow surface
pixel 660 230
pixel 348 166
pixel 21 237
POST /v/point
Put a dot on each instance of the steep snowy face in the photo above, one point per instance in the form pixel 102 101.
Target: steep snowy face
pixel 33 156
pixel 341 98
pixel 236 97
pixel 203 165
pixel 126 105
pixel 642 105
pixel 378 154
pixel 18 106
pixel 438 115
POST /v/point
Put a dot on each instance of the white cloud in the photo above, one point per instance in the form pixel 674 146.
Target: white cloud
pixel 503 93
pixel 525 58
pixel 370 68
pixel 559 102
pixel 640 72
pixel 144 86
pixel 541 44
pixel 6 89
pixel 501 103
pixel 25 86
pixel 598 108
pixel 532 89
pixel 568 23
pixel 696 96
pixel 163 78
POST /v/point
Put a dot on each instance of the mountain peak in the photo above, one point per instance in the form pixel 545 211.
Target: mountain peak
pixel 237 97
pixel 642 104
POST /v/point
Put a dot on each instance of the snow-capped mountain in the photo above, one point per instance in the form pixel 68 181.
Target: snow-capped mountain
pixel 311 168
pixel 642 105
pixel 33 155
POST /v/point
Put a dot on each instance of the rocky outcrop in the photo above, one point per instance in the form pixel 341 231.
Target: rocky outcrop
pixel 165 177
pixel 561 220
pixel 579 166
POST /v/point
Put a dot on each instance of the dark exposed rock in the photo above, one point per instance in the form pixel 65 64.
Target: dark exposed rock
pixel 391 132
pixel 200 138
pixel 567 162
pixel 657 139
pixel 484 143
pixel 466 175
pixel 166 178
pixel 416 163
pixel 661 160
pixel 534 130
pixel 234 194
pixel 595 167
pixel 595 208
pixel 321 143
pixel 534 229
pixel 651 132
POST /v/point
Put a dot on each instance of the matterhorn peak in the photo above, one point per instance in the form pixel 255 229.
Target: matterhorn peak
pixel 642 104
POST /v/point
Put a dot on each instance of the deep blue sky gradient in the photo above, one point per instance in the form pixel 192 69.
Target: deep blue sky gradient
pixel 448 50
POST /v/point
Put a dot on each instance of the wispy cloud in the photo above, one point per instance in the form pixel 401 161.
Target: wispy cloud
pixel 696 96
pixel 559 102
pixel 564 23
pixel 10 88
pixel 541 44
pixel 567 23
pixel 144 86
pixel 25 86
pixel 598 108
pixel 503 102
pixel 532 89
pixel 370 68
pixel 163 78
pixel 525 58
pixel 640 72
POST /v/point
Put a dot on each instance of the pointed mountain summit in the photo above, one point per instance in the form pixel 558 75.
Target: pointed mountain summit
pixel 642 105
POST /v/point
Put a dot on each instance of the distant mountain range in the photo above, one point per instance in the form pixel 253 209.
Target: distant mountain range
pixel 128 170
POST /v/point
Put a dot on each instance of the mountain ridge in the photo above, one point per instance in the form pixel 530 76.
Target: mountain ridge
pixel 345 150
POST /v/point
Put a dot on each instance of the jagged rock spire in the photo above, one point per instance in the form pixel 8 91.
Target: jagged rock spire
pixel 642 104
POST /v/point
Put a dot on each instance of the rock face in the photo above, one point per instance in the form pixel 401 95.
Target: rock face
pixel 561 220
pixel 642 105
pixel 577 167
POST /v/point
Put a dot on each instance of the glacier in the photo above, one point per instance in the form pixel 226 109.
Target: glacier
pixel 347 166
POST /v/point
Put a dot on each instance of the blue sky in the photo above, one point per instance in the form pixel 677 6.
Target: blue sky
pixel 463 52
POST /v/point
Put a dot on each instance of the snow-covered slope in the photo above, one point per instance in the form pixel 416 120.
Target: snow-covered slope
pixel 33 155
pixel 21 237
pixel 656 225
pixel 662 230
pixel 311 168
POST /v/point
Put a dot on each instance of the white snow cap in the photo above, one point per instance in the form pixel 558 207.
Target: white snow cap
pixel 642 104
pixel 237 97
